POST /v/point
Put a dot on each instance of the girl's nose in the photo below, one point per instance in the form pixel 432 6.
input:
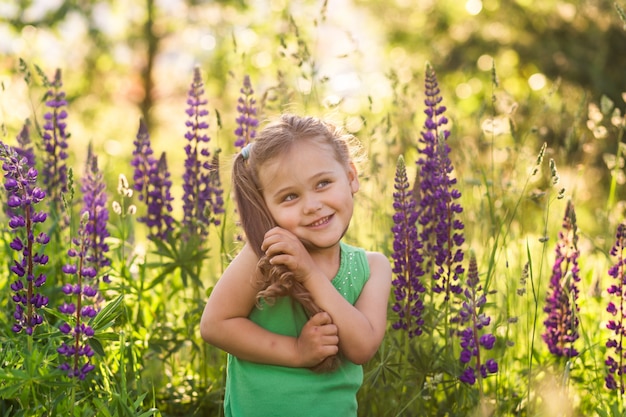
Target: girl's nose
pixel 312 204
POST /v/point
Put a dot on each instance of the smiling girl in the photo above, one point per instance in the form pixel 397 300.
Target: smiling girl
pixel 294 188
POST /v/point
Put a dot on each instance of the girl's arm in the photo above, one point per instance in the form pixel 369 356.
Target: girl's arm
pixel 225 323
pixel 362 326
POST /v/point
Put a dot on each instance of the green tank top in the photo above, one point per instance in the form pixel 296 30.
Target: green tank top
pixel 257 390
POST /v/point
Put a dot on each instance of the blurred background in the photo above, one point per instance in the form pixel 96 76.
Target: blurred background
pixel 125 59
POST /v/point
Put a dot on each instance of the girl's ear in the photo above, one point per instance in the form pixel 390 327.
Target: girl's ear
pixel 353 178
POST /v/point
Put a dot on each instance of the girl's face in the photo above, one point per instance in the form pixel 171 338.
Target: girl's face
pixel 309 193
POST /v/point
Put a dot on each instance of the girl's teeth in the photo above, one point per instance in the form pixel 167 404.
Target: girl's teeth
pixel 322 221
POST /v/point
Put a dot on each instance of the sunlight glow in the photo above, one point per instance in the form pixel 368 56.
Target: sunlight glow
pixel 207 42
pixel 304 85
pixel 262 60
pixel 113 147
pixel 354 124
pixel 473 7
pixel 496 126
pixel 485 62
pixel 463 90
pixel 537 81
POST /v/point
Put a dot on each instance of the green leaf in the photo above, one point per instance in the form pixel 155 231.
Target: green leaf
pixel 102 408
pixel 107 316
pixel 601 413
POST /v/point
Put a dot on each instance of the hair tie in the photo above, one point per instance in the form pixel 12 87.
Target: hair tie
pixel 245 152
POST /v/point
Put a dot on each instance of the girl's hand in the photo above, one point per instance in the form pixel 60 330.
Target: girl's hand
pixel 318 340
pixel 284 248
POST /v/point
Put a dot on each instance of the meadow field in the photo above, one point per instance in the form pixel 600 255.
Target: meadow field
pixel 494 182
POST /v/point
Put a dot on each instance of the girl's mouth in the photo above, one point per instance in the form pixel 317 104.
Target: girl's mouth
pixel 320 222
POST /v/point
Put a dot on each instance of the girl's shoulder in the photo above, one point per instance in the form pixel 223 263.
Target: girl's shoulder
pixel 378 263
pixel 374 259
pixel 377 257
pixel 380 267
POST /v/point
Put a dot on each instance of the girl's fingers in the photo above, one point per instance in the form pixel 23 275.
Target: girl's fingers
pixel 272 238
pixel 275 249
pixel 278 234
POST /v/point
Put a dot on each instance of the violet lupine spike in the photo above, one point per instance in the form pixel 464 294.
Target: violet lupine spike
pixel 95 205
pixel 247 121
pixel 408 287
pixel 199 192
pixel 473 339
pixel 438 208
pixel 143 161
pixel 82 293
pixel 616 359
pixel 55 137
pixel 159 202
pixel 561 325
pixel 25 147
pixel 152 183
pixel 20 181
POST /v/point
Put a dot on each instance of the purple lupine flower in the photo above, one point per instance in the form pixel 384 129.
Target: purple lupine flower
pixel 561 303
pixel 25 146
pixel 151 181
pixel 95 204
pixel 616 361
pixel 143 161
pixel 247 121
pixel 79 310
pixel 201 195
pixel 407 259
pixel 24 195
pixel 473 338
pixel 55 138
pixel 159 202
pixel 24 149
pixel 438 209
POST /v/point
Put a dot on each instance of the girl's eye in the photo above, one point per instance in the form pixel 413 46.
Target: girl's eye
pixel 290 197
pixel 323 184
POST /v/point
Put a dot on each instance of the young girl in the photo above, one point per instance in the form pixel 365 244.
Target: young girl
pixel 294 189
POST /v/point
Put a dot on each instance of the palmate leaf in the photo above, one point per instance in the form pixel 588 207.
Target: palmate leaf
pixel 13 381
pixel 120 405
pixel 186 257
pixel 34 375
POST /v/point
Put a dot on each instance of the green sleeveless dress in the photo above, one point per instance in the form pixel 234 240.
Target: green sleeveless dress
pixel 257 390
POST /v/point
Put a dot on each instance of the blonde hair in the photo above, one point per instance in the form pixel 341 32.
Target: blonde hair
pixel 276 138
